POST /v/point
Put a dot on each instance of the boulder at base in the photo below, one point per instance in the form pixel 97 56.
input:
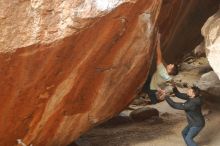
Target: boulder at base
pixel 145 113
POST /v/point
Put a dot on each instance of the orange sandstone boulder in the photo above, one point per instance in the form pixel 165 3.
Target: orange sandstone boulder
pixel 66 66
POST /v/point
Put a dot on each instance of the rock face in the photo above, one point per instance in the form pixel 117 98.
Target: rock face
pixel 45 21
pixel 200 50
pixel 211 33
pixel 210 83
pixel 66 66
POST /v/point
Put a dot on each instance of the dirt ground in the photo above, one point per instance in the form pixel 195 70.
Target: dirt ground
pixel 165 131
pixel 162 131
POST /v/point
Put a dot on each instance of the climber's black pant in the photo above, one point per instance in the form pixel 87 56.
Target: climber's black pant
pixel 151 93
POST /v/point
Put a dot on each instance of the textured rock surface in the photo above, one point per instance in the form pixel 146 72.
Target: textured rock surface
pixel 200 50
pixel 211 33
pixel 66 66
pixel 63 72
pixel 44 21
pixel 210 83
pixel 144 113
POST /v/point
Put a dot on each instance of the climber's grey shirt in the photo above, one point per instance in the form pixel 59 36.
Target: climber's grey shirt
pixel 159 78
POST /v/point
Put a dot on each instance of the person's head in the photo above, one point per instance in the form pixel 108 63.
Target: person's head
pixel 193 92
pixel 172 69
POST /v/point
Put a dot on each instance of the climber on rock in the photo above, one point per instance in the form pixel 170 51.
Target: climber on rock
pixel 161 77
pixel 192 107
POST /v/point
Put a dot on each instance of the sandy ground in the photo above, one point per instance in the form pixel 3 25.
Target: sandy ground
pixel 163 131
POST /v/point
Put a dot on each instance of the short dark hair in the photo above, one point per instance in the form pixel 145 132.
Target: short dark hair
pixel 175 70
pixel 196 90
